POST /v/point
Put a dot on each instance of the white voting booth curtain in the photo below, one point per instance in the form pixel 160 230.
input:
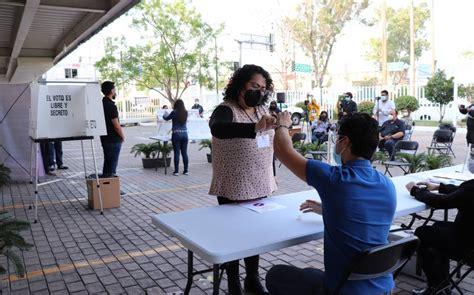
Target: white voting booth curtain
pixel 15 145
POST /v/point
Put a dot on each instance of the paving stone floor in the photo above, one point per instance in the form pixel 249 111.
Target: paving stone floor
pixel 79 251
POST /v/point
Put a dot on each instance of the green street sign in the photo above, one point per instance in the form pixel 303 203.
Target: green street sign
pixel 302 68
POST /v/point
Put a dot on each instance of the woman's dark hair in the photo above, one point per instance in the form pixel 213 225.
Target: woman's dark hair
pixel 181 113
pixel 323 112
pixel 241 77
pixel 363 132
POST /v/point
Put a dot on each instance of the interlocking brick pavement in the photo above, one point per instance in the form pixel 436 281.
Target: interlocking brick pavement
pixel 79 251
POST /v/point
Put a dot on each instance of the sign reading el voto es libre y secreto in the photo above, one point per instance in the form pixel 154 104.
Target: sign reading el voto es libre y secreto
pixel 59 111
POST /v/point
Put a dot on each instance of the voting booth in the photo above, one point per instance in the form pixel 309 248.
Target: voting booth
pixel 65 111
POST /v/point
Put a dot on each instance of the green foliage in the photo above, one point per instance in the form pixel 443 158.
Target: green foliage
pixel 4 175
pixel 305 148
pixel 10 239
pixel 440 90
pixel 205 143
pixel 177 50
pixel 317 26
pixel 301 106
pixel 417 162
pixel 379 156
pixel 435 161
pixel 147 149
pixel 366 107
pixel 466 91
pixel 164 149
pixel 406 103
pixel 425 162
pixel 398 34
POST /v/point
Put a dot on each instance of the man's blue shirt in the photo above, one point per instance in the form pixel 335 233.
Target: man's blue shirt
pixel 358 207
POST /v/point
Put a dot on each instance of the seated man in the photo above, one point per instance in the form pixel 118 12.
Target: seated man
pixel 320 127
pixel 358 205
pixel 444 240
pixel 391 131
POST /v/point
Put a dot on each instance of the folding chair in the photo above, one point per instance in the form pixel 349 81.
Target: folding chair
pixel 455 277
pixel 380 261
pixel 408 132
pixel 442 142
pixel 298 138
pixel 401 147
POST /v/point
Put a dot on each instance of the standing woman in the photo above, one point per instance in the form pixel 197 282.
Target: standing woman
pixel 242 155
pixel 179 138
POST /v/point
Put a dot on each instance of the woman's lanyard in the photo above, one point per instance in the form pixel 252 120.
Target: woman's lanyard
pixel 248 116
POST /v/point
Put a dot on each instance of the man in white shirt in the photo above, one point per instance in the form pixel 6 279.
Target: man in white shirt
pixel 383 107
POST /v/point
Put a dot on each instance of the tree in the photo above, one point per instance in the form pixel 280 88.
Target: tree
pixel 366 107
pixel 176 53
pixel 317 26
pixel 466 91
pixel 283 51
pixel 440 90
pixel 398 38
pixel 407 103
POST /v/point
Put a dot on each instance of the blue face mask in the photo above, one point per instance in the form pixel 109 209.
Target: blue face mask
pixel 337 157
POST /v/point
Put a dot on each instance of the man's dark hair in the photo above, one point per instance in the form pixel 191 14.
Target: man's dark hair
pixel 107 87
pixel 349 94
pixel 363 132
pixel 384 92
pixel 241 77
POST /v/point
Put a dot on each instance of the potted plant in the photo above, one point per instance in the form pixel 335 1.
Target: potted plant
pixel 164 150
pixel 10 237
pixel 207 143
pixel 416 161
pixel 150 151
pixel 434 161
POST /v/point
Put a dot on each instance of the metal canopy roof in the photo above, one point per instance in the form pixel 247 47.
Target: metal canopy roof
pixel 36 34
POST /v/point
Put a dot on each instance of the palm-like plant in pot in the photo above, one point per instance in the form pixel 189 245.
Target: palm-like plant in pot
pixel 207 143
pixel 164 150
pixel 150 152
pixel 10 237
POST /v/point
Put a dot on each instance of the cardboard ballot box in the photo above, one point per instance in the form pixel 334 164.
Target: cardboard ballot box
pixel 110 189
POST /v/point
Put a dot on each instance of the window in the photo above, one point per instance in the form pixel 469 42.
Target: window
pixel 70 73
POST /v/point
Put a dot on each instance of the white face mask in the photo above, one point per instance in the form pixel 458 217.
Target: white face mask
pixel 390 117
pixel 384 98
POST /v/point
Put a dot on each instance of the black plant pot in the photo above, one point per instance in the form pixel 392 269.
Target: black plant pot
pixel 209 158
pixel 150 163
pixel 161 162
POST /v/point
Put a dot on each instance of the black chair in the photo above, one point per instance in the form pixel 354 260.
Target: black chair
pixel 298 138
pixel 442 142
pixel 380 261
pixel 408 132
pixel 455 277
pixel 401 147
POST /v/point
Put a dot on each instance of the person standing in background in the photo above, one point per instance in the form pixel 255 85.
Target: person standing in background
pixel 469 111
pixel 198 107
pixel 55 155
pixel 112 142
pixel 383 107
pixel 347 105
pixel 179 137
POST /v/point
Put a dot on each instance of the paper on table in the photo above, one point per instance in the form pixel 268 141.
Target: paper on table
pixel 262 206
pixel 455 176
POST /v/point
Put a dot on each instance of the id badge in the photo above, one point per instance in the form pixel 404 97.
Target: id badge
pixel 263 141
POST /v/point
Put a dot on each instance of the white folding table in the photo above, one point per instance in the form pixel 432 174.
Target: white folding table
pixel 224 233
